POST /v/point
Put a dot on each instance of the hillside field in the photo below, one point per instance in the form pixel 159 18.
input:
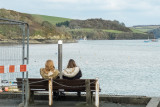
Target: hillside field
pixel 51 19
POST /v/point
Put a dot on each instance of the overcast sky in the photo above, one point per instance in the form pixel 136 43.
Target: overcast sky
pixel 131 12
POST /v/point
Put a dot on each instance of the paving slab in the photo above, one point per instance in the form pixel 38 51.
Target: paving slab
pixel 44 103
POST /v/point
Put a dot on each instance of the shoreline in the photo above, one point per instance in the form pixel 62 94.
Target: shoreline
pixel 35 41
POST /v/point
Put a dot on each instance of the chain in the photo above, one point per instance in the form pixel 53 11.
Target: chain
pixel 58 84
pixel 72 86
pixel 38 81
pixel 62 84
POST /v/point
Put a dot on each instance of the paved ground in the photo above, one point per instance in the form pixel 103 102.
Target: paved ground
pixel 44 103
pixel 14 100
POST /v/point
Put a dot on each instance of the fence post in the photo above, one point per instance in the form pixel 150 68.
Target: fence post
pixel 88 92
pixel 60 57
pixel 97 93
pixel 27 93
pixel 50 92
pixel 23 59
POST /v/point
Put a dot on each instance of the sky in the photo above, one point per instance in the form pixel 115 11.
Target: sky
pixel 130 12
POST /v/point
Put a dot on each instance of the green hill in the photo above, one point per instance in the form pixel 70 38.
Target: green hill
pixel 52 19
pixel 102 29
pixel 145 28
pixel 98 23
pixel 41 27
pixel 51 27
pixel 134 30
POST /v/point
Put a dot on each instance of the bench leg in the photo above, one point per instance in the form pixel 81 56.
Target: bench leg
pixel 88 92
pixel 92 99
pixel 31 98
pixel 79 94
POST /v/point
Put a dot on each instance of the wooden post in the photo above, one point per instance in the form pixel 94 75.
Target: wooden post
pixel 88 92
pixel 50 92
pixel 97 93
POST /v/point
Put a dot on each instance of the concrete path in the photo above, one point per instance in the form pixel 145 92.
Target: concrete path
pixel 154 102
pixel 44 103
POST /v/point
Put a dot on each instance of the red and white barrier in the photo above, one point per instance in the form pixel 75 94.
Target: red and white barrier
pixel 13 68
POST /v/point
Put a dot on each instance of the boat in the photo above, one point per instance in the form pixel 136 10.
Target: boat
pixel 84 38
pixel 146 41
pixel 154 40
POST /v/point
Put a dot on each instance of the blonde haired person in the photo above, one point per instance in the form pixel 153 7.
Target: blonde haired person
pixel 72 71
pixel 49 71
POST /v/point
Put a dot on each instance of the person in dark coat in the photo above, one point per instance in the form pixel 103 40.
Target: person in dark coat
pixel 72 71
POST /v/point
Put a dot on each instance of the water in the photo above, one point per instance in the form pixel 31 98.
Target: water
pixel 124 67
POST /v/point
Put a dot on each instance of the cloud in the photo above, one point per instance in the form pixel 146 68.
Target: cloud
pixel 103 5
pixel 62 1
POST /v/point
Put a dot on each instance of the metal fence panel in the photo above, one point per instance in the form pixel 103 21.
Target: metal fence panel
pixel 14 51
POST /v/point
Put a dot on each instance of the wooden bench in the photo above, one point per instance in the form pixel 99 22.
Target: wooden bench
pixel 79 85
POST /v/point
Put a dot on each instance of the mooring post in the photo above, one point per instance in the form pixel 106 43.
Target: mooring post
pixel 60 57
pixel 97 93
pixel 50 92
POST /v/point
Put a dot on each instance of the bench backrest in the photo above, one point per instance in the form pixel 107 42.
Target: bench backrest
pixel 58 84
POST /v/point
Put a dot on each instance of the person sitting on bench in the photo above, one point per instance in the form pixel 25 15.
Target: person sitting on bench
pixel 49 71
pixel 72 71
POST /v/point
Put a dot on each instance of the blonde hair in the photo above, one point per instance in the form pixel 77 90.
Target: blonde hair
pixel 49 65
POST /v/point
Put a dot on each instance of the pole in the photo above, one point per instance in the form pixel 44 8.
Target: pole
pixel 23 58
pixel 60 57
pixel 27 48
pixel 97 93
pixel 27 85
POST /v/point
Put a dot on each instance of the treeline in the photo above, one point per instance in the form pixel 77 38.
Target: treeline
pixel 95 23
pixel 156 33
pixel 102 35
pixel 42 30
pixel 98 33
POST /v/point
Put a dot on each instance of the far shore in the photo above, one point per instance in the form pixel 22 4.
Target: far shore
pixel 35 41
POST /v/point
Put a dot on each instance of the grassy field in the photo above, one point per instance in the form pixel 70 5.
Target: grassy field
pixel 82 29
pixel 113 31
pixel 134 30
pixel 50 19
pixel 91 30
pixel 142 28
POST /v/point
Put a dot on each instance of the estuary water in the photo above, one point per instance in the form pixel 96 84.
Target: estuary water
pixel 124 67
